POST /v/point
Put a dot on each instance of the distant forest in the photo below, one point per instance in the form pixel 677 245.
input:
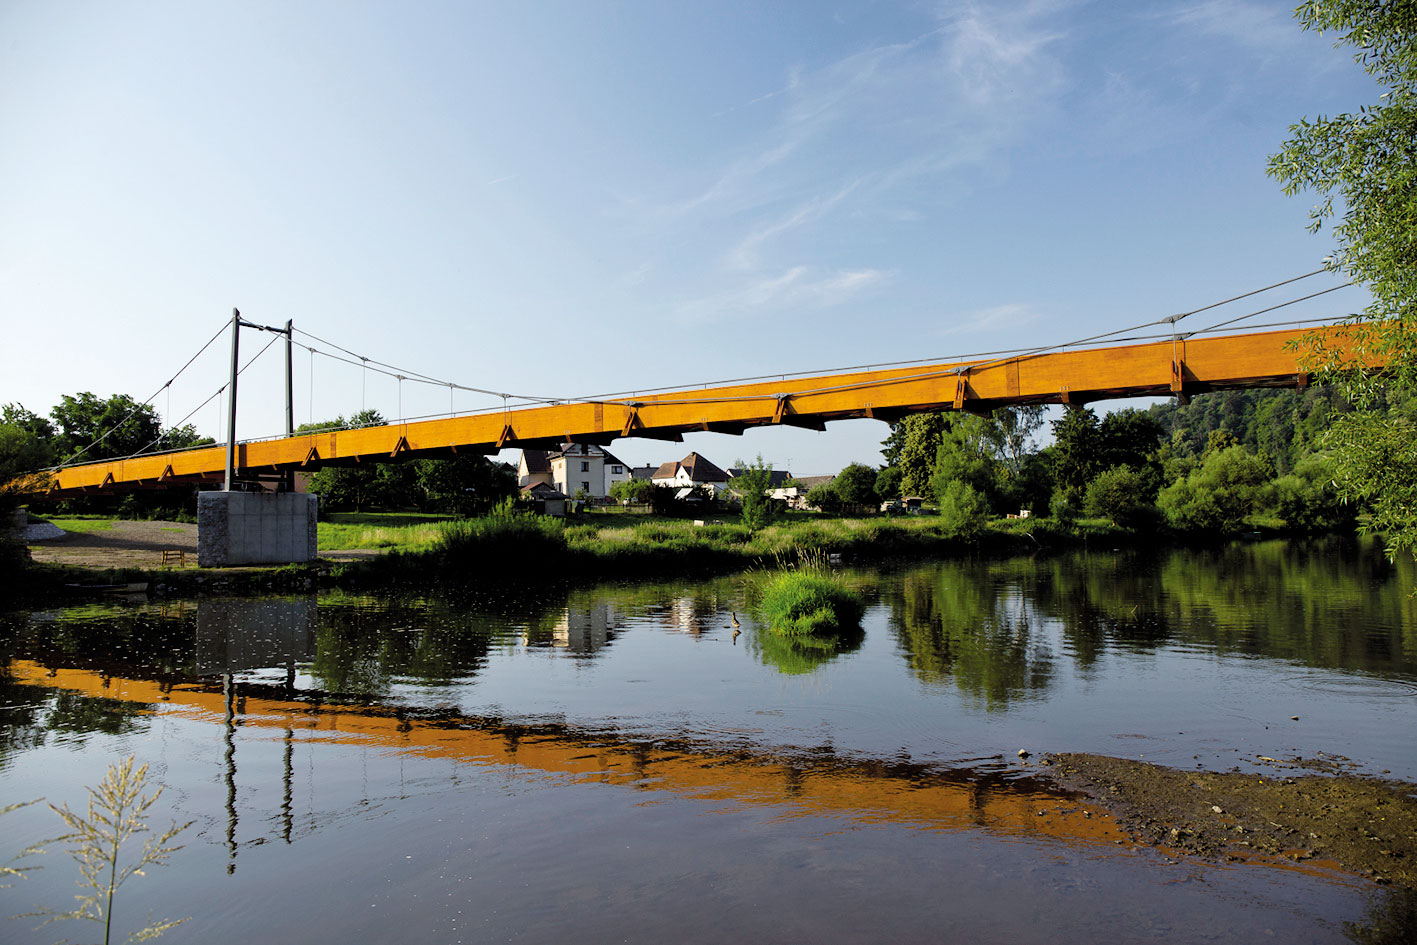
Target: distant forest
pixel 1286 425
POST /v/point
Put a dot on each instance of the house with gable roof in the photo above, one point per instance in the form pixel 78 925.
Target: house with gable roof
pixel 574 468
pixel 691 471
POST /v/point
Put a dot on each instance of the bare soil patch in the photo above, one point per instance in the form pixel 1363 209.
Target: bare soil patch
pixel 128 544
pixel 1306 810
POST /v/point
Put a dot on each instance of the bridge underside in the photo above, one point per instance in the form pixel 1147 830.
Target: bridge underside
pixel 1165 368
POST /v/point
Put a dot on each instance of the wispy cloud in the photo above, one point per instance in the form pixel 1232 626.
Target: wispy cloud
pixel 1259 26
pixel 744 255
pixel 1011 315
pixel 794 288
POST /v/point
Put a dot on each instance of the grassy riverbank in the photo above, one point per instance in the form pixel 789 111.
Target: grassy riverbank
pixel 422 549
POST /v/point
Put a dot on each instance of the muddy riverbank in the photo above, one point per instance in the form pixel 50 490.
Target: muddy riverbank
pixel 1301 809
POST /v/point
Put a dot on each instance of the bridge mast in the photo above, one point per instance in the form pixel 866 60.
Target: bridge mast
pixel 231 393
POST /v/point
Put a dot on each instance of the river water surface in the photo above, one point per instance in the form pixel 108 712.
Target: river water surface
pixel 622 763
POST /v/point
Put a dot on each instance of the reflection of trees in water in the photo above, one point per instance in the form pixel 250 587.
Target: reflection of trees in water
pixel 796 655
pixel 1333 603
pixel 957 623
pixel 1391 919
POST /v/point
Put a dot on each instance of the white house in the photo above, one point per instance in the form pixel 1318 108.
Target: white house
pixel 575 468
pixel 692 470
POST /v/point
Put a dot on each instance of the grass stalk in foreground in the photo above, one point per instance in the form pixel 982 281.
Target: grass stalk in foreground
pixel 116 814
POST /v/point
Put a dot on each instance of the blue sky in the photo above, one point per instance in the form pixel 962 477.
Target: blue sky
pixel 565 198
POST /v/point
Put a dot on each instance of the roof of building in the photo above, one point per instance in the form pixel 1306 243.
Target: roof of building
pixel 536 461
pixel 701 470
pixel 643 472
pixel 577 449
pixel 542 490
pixel 808 482
pixel 776 477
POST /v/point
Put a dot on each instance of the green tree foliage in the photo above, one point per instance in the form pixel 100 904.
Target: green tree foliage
pixel 1307 500
pixel 1368 161
pixel 752 488
pixel 633 490
pixel 1076 451
pixel 856 485
pixel 824 496
pixel 1285 425
pixel 465 485
pixel 1220 494
pixel 1129 437
pixel 966 454
pixel 889 482
pixel 919 436
pixel 1124 494
pixel 963 510
pixel 116 426
pixel 1011 435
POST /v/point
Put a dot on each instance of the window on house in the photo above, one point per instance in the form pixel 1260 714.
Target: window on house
pixel 585 486
pixel 618 470
pixel 585 467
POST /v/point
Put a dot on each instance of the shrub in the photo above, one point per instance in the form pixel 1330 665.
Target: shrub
pixel 1220 494
pixel 963 511
pixel 1123 494
pixel 1307 499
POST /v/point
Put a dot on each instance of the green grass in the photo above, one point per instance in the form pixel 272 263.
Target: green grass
pixel 82 526
pixel 808 604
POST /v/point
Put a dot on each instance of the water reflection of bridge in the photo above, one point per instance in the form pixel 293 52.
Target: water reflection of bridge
pixel 808 783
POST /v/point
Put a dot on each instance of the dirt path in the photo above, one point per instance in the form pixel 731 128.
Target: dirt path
pixel 125 545
pixel 130 544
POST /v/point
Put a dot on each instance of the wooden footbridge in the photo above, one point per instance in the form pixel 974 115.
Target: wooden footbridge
pixel 1178 366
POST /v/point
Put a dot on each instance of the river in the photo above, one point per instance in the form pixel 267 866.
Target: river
pixel 622 763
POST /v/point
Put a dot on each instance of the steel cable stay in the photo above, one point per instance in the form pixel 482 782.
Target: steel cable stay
pixel 219 391
pixel 630 398
pixel 507 411
pixel 165 387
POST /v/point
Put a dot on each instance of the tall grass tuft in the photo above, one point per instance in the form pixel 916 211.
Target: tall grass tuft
pixel 502 540
pixel 808 603
pixel 115 814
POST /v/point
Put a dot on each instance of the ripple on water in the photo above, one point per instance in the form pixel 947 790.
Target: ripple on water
pixel 1352 685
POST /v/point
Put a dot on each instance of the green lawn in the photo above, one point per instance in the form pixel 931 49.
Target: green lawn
pixel 82 526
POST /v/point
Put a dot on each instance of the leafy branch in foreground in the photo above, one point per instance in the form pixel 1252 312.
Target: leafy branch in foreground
pixel 1368 161
pixel 116 813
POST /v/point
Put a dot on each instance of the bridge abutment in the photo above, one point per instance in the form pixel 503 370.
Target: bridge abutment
pixel 255 528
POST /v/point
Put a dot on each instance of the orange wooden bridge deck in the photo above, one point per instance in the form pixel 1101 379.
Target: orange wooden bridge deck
pixel 1180 366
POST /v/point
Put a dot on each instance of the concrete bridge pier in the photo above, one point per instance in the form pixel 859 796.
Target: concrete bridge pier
pixel 255 528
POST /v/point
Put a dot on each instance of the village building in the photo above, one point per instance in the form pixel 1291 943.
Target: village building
pixel 693 471
pixel 576 468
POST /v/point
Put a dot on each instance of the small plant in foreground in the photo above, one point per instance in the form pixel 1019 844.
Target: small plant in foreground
pixel 115 814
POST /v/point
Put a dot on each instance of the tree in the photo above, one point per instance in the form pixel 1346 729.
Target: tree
pixel 1220 494
pixel 1307 500
pixel 824 497
pixel 963 511
pixel 1123 494
pixel 856 485
pixel 1011 435
pixel 752 486
pixel 465 485
pixel 95 428
pixel 633 490
pixel 966 454
pixel 888 483
pixel 1077 442
pixel 1368 160
pixel 920 436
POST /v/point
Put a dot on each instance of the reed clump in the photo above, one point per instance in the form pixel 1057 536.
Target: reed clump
pixel 808 603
